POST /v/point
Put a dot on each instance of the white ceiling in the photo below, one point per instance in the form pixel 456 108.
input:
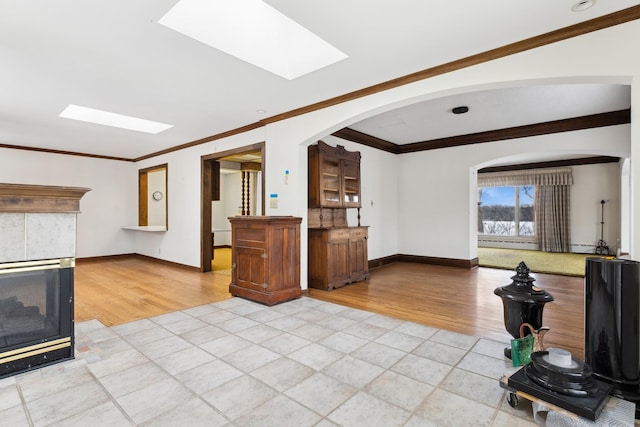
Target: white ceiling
pixel 494 109
pixel 113 55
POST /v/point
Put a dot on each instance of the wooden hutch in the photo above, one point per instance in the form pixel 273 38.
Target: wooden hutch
pixel 337 253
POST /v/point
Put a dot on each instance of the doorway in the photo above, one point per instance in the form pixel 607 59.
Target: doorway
pixel 152 196
pixel 216 169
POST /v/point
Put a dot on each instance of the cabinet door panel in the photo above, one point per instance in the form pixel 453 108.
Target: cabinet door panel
pixel 249 268
pixel 358 257
pixel 339 261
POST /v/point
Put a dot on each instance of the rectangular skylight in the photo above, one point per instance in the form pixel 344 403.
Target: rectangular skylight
pixel 254 32
pixel 100 117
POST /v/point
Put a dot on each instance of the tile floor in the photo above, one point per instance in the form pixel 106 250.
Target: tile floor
pixel 239 363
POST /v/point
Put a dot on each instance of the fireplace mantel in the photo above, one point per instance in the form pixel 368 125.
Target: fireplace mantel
pixel 24 198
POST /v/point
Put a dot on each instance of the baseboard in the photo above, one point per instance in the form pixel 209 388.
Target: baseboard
pixel 134 255
pixel 104 258
pixel 449 262
pixel 373 263
pixel 381 262
pixel 171 263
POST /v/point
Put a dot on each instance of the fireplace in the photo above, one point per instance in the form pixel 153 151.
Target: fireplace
pixel 36 314
pixel 37 259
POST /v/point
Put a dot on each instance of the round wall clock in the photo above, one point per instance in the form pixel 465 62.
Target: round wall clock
pixel 157 195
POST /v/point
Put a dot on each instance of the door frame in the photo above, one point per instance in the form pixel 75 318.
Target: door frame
pixel 206 180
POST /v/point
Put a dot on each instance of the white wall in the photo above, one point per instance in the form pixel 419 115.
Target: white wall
pixel 434 194
pixel 438 220
pixel 228 205
pixel 423 230
pixel 593 183
pixel 181 242
pixel 111 203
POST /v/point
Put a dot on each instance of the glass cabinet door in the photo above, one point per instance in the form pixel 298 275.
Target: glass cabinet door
pixel 334 177
pixel 351 177
pixel 330 184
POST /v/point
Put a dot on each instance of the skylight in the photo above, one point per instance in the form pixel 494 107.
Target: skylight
pixel 254 32
pixel 100 117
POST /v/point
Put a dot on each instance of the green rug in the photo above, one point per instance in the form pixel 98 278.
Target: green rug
pixel 566 264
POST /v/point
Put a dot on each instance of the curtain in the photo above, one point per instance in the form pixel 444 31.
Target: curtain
pixel 552 218
pixel 551 202
pixel 537 177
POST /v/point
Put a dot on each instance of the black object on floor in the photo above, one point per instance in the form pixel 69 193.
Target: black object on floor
pixel 522 303
pixel 575 380
pixel 588 407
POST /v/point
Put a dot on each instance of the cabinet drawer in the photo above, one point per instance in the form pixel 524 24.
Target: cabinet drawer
pixel 255 237
pixel 339 234
pixel 358 233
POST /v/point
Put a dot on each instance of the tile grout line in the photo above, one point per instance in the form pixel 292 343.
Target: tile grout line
pixel 172 376
pixel 24 404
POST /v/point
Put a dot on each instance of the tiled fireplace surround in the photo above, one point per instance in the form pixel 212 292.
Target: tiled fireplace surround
pixel 38 222
pixel 36 236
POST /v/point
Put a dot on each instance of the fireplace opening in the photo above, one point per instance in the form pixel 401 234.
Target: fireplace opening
pixel 36 314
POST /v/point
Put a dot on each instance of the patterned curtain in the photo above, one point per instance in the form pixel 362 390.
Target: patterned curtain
pixel 552 218
pixel 547 176
pixel 551 202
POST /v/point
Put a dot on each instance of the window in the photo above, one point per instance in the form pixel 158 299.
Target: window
pixel 506 211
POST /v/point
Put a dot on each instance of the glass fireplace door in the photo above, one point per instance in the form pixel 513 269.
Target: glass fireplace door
pixel 36 314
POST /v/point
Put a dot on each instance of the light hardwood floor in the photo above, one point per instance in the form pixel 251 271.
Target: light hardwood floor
pixel 120 290
pixel 462 300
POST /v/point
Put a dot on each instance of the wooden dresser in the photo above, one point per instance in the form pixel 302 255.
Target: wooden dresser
pixel 337 253
pixel 265 258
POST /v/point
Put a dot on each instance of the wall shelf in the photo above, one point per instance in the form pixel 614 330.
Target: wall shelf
pixel 151 228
